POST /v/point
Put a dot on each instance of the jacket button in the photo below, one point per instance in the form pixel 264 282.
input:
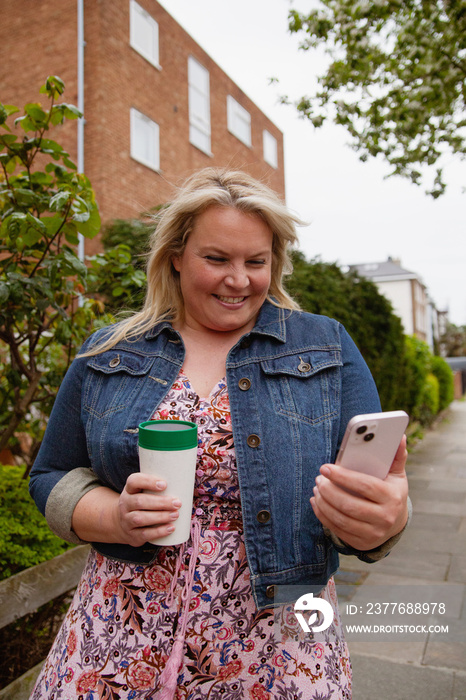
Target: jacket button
pixel 245 343
pixel 253 440
pixel 263 516
pixel 270 591
pixel 114 362
pixel 244 384
pixel 303 366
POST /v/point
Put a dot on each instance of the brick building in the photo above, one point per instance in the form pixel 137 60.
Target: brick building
pixel 156 106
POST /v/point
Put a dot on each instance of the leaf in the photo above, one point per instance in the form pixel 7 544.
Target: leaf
pixel 71 112
pixel 6 111
pixel 52 148
pixel 36 113
pixel 31 237
pixel 69 163
pixel 59 200
pixel 91 227
pixel 75 263
pixel 54 86
pixel 8 139
pixel 71 234
pixel 26 123
pixel 4 292
pixel 52 224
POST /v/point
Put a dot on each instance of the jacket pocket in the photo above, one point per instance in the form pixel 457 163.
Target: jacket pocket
pixel 305 386
pixel 112 380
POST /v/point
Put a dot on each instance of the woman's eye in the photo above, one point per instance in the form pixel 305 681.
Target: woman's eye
pixel 215 258
pixel 256 262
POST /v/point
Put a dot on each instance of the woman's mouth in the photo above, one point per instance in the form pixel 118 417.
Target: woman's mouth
pixel 230 300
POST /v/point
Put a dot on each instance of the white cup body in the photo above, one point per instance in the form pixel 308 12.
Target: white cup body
pixel 178 469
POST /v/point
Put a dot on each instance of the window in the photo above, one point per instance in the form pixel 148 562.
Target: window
pixel 239 121
pixel 145 146
pixel 199 105
pixel 143 33
pixel 270 148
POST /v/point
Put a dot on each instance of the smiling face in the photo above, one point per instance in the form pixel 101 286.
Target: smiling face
pixel 225 270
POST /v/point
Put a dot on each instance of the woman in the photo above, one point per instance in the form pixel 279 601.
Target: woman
pixel 218 342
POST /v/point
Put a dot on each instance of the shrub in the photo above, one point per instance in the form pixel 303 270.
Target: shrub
pixel 25 538
pixel 427 409
pixel 444 375
pixel 417 357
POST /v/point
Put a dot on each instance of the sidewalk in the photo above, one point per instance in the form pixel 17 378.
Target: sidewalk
pixel 432 553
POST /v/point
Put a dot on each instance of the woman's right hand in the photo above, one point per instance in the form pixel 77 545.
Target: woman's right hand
pixel 143 516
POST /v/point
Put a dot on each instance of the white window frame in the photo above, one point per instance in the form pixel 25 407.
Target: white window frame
pixel 239 121
pixel 138 119
pixel 270 146
pixel 138 15
pixel 199 124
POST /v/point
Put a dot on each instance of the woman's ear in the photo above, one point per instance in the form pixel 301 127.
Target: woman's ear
pixel 176 262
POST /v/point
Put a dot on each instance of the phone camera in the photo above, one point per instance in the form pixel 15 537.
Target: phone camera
pixel 369 437
pixel 362 429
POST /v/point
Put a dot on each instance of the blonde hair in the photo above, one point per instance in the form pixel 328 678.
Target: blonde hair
pixel 208 187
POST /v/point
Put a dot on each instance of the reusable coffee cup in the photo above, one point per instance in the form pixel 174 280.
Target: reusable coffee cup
pixel 168 450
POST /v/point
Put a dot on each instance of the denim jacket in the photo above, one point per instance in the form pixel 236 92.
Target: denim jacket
pixel 294 381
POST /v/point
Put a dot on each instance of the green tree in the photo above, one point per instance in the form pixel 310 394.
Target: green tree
pixel 396 79
pixel 44 204
pixel 46 304
pixel 118 274
pixel 453 341
pixel 131 232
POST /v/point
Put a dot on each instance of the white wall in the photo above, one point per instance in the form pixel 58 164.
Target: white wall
pixel 399 293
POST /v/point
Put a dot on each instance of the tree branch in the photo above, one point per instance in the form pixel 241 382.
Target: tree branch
pixel 20 410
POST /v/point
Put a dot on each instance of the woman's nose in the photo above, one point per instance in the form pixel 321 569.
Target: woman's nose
pixel 237 278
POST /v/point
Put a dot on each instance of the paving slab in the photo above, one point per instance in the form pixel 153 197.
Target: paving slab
pixel 375 678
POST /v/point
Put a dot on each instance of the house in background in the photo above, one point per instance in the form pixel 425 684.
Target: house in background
pixel 408 296
pixel 156 106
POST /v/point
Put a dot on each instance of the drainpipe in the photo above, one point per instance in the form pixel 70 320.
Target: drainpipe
pixel 81 45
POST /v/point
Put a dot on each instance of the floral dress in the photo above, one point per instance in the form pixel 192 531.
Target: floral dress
pixel 119 632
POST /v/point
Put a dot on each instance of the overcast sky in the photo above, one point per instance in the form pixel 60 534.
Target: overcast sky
pixel 355 214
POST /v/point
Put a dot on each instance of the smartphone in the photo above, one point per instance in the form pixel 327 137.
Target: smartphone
pixel 371 441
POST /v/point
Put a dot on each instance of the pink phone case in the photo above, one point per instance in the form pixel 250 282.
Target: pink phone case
pixel 371 441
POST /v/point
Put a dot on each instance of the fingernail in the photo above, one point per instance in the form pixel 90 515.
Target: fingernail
pixel 176 502
pixel 325 470
pixel 170 528
pixel 161 485
pixel 318 479
pixel 173 516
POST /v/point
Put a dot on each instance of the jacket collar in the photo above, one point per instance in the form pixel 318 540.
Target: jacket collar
pixel 270 322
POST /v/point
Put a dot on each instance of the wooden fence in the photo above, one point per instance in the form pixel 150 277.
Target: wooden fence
pixel 27 591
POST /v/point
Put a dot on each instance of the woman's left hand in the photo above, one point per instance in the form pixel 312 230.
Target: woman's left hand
pixel 374 511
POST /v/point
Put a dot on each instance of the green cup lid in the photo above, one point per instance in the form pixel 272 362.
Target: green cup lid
pixel 167 435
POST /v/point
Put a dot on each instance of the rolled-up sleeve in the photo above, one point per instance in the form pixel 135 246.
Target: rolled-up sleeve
pixel 62 472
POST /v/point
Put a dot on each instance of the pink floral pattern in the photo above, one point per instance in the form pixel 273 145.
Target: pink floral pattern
pixel 119 631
